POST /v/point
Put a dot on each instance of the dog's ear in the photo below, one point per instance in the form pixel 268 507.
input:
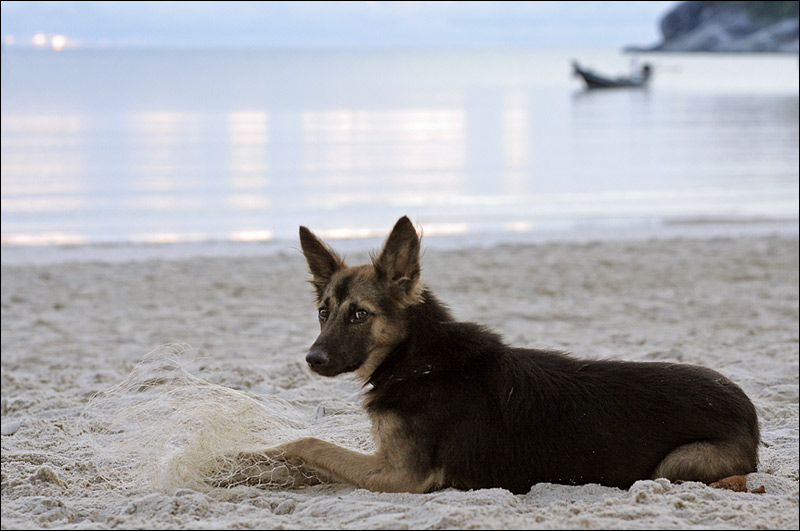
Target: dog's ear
pixel 323 261
pixel 398 263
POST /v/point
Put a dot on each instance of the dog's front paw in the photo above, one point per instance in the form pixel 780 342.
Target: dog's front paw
pixel 289 453
pixel 271 467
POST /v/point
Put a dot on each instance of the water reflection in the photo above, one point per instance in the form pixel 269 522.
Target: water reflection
pixel 247 169
pixel 248 138
pixel 42 156
pixel 517 139
pixel 158 142
pixel 43 170
pixel 246 156
pixel 341 144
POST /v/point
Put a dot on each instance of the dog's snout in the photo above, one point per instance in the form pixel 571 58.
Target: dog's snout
pixel 317 358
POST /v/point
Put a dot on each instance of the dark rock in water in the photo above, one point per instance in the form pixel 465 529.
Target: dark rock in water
pixel 707 26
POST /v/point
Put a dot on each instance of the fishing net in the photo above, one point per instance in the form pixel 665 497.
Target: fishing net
pixel 166 428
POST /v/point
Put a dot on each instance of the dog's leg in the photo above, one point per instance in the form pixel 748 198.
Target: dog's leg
pixel 376 472
pixel 262 468
pixel 706 462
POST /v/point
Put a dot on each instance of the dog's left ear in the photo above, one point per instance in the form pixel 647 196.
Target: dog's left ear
pixel 398 264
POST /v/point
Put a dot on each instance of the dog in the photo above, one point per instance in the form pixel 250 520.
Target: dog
pixel 453 405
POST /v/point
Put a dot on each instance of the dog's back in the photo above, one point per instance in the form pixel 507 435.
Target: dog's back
pixel 488 415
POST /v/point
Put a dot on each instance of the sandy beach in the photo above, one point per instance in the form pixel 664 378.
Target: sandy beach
pixel 73 329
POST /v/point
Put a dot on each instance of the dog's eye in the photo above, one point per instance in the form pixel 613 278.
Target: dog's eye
pixel 323 314
pixel 360 315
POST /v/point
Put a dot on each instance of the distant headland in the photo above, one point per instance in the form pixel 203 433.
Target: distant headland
pixel 715 26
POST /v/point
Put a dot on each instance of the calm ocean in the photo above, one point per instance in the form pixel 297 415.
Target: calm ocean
pixel 217 146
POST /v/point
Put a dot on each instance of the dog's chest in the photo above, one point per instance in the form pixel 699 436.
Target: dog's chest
pixel 387 431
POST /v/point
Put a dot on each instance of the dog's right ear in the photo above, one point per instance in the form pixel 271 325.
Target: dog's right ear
pixel 323 261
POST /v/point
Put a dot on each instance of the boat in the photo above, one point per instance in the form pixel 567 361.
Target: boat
pixel 594 80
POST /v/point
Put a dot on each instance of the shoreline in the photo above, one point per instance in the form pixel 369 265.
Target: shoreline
pixel 71 328
pixel 124 251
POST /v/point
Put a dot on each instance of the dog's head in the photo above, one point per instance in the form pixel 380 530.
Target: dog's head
pixel 361 309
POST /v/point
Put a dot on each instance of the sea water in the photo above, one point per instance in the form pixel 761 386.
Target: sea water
pixel 117 147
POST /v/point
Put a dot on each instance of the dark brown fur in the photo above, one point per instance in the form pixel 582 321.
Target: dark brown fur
pixel 452 405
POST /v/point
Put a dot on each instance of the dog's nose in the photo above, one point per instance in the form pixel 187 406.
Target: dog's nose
pixel 317 358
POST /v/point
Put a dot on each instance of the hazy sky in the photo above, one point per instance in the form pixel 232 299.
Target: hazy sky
pixel 333 24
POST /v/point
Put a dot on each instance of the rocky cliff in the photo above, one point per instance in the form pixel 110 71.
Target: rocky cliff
pixel 708 26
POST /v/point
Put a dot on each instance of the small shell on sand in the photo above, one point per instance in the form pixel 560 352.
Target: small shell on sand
pixel 10 428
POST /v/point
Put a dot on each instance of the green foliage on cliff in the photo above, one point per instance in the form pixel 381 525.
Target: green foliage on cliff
pixel 761 12
pixel 772 11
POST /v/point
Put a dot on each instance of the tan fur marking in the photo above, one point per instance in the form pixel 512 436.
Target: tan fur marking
pixel 362 282
pixel 703 461
pixel 385 335
pixel 414 296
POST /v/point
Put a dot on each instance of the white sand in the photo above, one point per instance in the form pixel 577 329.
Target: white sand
pixel 70 330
